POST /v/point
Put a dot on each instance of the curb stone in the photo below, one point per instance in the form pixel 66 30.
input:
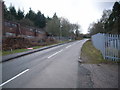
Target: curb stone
pixel 17 55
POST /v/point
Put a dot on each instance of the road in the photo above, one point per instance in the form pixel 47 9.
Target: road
pixel 56 67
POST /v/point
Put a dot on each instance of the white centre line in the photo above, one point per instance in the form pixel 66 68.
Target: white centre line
pixel 68 46
pixel 60 50
pixel 55 53
pixel 14 77
pixel 52 55
pixel 73 43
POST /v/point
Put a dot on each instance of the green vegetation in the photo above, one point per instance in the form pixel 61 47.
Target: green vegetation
pixel 63 41
pixel 89 54
pixel 109 22
pixel 62 27
pixel 23 50
pixel 31 18
pixel 18 50
pixel 54 26
pixel 14 51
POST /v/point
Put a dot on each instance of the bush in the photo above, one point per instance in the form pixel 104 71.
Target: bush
pixel 21 42
pixel 16 43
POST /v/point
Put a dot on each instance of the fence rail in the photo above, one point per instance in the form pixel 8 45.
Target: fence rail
pixel 108 44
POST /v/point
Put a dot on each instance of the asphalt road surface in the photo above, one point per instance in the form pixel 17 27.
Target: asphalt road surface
pixel 56 67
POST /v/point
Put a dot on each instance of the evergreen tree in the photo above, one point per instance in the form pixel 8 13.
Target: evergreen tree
pixel 113 23
pixel 43 21
pixel 55 16
pixel 109 23
pixel 48 19
pixel 116 11
pixel 53 26
pixel 26 22
pixel 31 15
pixel 20 14
pixel 13 13
pixel 40 20
pixel 5 12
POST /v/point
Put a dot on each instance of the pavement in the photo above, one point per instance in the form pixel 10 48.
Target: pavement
pixel 56 67
pixel 98 76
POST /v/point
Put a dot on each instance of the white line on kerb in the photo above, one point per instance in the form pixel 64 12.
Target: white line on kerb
pixel 14 77
pixel 55 53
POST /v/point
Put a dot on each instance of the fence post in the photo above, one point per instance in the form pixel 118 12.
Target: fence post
pixel 108 44
pixel 104 45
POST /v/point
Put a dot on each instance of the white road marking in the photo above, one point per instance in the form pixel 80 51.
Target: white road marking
pixel 14 77
pixel 60 50
pixel 52 55
pixel 55 53
pixel 73 43
pixel 68 46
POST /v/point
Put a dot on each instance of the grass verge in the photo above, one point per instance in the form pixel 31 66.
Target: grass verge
pixel 18 50
pixel 89 54
pixel 23 50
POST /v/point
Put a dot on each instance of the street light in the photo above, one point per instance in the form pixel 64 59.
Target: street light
pixel 60 34
pixel 60 31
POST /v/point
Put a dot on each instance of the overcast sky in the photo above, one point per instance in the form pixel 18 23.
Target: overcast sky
pixel 82 12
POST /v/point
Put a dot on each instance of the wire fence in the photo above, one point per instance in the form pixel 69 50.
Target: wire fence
pixel 108 44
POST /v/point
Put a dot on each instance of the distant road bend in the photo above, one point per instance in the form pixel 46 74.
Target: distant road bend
pixel 56 67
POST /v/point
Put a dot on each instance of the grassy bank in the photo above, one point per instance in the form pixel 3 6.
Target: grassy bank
pixel 18 50
pixel 23 50
pixel 89 54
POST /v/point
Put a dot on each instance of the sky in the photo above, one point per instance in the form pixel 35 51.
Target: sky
pixel 82 12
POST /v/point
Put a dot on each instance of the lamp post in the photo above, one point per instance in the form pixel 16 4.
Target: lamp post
pixel 60 32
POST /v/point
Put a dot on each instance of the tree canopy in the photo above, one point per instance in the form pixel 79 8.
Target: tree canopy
pixel 53 25
pixel 57 26
pixel 109 22
pixel 31 18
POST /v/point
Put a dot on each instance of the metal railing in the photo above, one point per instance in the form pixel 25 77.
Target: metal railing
pixel 108 44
